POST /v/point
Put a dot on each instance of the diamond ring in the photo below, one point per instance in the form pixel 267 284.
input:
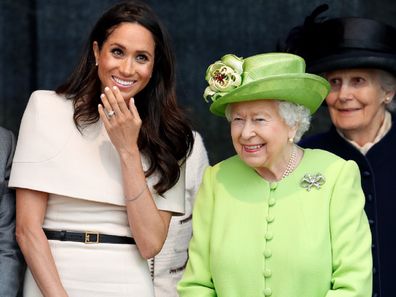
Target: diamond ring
pixel 111 113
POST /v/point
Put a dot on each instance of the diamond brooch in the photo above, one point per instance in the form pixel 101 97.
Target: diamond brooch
pixel 312 180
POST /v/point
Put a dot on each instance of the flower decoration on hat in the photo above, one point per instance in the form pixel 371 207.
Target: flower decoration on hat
pixel 223 76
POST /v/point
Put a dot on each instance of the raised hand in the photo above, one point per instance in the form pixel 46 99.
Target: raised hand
pixel 121 120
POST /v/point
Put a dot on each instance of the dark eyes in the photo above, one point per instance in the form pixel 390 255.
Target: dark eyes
pixel 358 80
pixel 119 53
pixel 142 58
pixel 354 81
pixel 334 81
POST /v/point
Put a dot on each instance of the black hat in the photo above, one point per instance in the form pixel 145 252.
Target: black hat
pixel 340 43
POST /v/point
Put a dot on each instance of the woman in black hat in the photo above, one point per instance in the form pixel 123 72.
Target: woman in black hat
pixel 358 57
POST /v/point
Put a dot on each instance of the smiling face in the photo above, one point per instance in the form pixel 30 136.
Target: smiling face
pixel 260 136
pixel 126 59
pixel 356 101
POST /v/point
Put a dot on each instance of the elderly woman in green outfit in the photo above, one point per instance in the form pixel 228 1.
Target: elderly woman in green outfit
pixel 275 219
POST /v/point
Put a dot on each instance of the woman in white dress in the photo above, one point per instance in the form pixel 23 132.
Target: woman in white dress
pixel 99 165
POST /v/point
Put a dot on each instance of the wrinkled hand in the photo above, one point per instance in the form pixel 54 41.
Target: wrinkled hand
pixel 122 125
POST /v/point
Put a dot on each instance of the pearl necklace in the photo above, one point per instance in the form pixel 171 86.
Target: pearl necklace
pixel 290 164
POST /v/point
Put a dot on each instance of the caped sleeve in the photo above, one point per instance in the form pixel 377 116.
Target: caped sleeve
pixel 45 128
pixel 197 279
pixel 53 156
pixel 173 199
pixel 43 134
pixel 350 237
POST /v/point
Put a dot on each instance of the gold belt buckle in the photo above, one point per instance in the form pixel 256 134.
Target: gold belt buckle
pixel 87 238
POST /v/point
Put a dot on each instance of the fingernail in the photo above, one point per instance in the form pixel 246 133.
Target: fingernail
pixel 114 88
pixel 106 88
pixel 132 100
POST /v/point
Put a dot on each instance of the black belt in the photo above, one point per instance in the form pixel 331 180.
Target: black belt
pixel 87 237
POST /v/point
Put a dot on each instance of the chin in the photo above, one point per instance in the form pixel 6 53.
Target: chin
pixel 347 126
pixel 252 164
pixel 127 95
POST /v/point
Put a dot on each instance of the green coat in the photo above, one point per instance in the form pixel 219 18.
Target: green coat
pixel 254 238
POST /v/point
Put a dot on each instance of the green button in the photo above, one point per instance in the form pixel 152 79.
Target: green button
pixel 273 186
pixel 267 253
pixel 270 218
pixel 269 236
pixel 267 292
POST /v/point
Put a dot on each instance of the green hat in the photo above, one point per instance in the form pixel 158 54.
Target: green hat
pixel 277 76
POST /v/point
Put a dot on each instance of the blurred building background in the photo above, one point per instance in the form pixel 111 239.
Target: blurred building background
pixel 41 41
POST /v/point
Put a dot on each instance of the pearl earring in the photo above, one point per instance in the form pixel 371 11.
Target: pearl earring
pixel 387 99
pixel 96 63
pixel 291 139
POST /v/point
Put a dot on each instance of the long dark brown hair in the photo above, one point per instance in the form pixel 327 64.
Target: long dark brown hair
pixel 165 136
